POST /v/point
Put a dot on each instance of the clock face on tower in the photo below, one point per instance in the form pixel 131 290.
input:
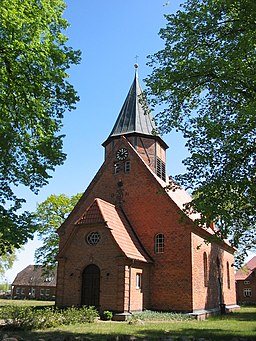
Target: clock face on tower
pixel 122 154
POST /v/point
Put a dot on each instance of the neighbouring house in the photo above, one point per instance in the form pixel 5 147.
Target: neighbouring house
pixel 34 282
pixel 246 283
pixel 124 247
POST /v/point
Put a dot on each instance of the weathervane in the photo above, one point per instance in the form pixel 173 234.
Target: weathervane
pixel 136 65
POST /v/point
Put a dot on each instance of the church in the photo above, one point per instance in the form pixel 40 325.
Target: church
pixel 127 246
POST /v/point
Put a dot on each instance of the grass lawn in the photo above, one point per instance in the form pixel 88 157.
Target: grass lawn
pixel 32 303
pixel 239 324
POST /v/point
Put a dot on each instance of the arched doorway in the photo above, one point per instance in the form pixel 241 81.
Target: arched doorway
pixel 91 286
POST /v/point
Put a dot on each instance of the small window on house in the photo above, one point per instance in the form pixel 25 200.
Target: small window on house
pixel 22 291
pixel 228 275
pixel 138 280
pixel 42 292
pixel 246 282
pixel 33 292
pixel 247 292
pixel 159 243
pixel 47 292
pixel 117 168
pixel 18 290
pixel 205 269
pixel 127 166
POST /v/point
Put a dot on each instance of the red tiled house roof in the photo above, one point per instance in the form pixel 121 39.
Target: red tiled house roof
pixel 246 270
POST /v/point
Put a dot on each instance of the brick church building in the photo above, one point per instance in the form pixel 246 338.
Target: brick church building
pixel 124 247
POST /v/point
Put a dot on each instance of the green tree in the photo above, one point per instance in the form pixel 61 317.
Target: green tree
pixel 34 94
pixel 205 80
pixel 6 262
pixel 50 214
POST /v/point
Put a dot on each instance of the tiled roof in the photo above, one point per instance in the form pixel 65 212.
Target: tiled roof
pixel 35 275
pixel 135 115
pixel 93 215
pixel 246 270
pixel 102 211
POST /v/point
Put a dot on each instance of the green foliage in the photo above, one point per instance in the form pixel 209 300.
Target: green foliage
pixel 205 81
pixel 107 315
pixel 49 215
pixel 27 318
pixel 34 94
pixel 79 315
pixel 6 262
pixel 5 286
pixel 17 317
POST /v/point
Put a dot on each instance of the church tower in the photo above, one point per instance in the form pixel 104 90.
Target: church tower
pixel 136 123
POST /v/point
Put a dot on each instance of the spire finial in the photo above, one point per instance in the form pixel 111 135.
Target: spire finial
pixel 136 65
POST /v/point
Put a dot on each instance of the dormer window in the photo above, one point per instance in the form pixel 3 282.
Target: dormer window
pixel 49 279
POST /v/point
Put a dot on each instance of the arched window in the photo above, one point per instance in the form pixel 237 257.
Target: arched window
pixel 205 269
pixel 228 276
pixel 159 243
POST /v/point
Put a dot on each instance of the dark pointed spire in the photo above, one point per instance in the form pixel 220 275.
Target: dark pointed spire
pixel 135 115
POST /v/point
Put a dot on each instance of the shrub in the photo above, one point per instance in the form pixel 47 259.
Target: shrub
pixel 107 315
pixel 89 314
pixel 47 318
pixel 79 315
pixel 17 317
pixel 24 317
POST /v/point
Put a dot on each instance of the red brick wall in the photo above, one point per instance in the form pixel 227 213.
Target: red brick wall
pixel 205 297
pixel 78 255
pixel 151 211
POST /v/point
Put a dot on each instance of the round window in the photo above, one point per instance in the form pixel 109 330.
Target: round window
pixel 93 238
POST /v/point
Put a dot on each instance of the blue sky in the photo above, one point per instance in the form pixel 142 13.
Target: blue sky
pixel 110 34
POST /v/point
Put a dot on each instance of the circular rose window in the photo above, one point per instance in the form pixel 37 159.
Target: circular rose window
pixel 93 238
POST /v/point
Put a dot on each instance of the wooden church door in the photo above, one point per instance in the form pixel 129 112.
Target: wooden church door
pixel 91 286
